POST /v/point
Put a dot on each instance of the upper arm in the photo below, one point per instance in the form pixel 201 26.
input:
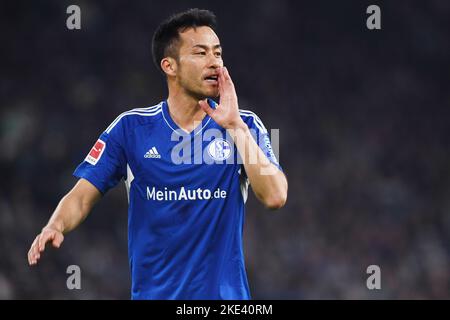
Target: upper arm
pixel 261 136
pixel 105 164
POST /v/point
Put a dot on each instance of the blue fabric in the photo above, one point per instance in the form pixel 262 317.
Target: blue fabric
pixel 185 220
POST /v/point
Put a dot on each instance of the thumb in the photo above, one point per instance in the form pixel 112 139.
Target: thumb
pixel 57 240
pixel 205 107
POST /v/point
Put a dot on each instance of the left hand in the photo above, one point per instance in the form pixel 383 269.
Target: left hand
pixel 226 113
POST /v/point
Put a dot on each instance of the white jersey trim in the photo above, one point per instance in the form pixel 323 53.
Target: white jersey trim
pixel 128 181
pixel 243 185
pixel 177 131
pixel 151 111
pixel 256 119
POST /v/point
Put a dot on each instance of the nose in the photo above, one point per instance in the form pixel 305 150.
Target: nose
pixel 214 61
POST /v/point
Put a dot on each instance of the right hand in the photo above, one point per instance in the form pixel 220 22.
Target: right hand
pixel 48 234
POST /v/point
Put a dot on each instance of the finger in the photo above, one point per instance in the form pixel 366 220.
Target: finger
pixel 58 239
pixel 32 252
pixel 36 246
pixel 226 86
pixel 221 82
pixel 226 73
pixel 221 75
pixel 39 244
pixel 227 76
pixel 36 255
pixel 205 107
pixel 44 238
pixel 30 260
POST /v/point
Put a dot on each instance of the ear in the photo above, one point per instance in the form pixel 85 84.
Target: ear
pixel 169 66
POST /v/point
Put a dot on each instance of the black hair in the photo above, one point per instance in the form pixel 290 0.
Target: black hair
pixel 166 37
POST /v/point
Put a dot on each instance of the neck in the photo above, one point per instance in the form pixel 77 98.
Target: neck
pixel 184 110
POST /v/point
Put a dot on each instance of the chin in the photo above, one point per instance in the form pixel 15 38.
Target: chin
pixel 206 93
pixel 213 93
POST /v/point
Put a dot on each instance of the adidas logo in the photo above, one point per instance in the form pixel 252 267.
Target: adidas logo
pixel 152 153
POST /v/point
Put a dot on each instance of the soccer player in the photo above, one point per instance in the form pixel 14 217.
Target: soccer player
pixel 187 163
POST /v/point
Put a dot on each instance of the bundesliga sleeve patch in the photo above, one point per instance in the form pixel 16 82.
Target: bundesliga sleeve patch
pixel 96 152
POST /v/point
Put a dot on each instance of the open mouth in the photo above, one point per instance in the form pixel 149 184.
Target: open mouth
pixel 212 78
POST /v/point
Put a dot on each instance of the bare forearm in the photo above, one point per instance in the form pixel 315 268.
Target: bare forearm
pixel 74 206
pixel 69 213
pixel 267 181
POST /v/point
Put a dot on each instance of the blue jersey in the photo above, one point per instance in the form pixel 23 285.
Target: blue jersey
pixel 186 196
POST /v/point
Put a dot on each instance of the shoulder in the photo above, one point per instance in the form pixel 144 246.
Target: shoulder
pixel 252 120
pixel 134 117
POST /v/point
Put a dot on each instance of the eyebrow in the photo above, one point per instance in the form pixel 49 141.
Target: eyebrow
pixel 203 46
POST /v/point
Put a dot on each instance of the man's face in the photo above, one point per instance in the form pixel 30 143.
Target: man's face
pixel 200 56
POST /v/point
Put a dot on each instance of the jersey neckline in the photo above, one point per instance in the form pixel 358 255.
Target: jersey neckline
pixel 175 128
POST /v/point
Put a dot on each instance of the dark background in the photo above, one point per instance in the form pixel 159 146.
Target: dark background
pixel 363 118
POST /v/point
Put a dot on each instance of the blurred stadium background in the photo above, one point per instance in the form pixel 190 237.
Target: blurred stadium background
pixel 364 130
